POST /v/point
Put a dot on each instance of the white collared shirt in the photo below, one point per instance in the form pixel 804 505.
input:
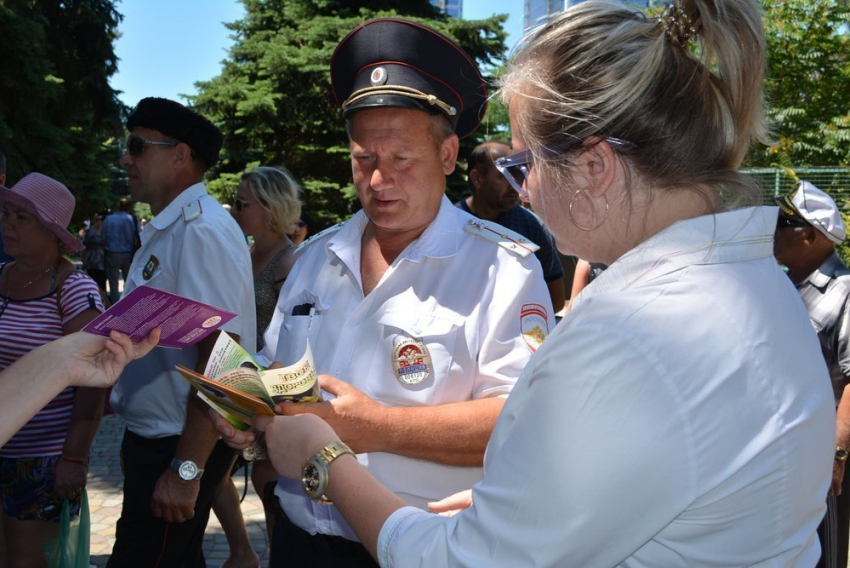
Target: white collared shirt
pixel 680 416
pixel 201 254
pixel 458 294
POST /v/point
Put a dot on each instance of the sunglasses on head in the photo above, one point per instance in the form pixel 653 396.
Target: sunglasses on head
pixel 136 146
pixel 516 167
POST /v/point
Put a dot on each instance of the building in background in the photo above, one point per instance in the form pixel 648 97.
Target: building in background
pixel 537 12
pixel 453 8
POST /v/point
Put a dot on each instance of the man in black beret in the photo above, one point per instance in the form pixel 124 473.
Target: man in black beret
pixel 192 247
pixel 421 313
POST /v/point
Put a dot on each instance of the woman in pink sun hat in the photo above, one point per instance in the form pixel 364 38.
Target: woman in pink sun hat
pixel 43 298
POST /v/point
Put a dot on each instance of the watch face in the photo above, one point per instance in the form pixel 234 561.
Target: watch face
pixel 314 479
pixel 310 479
pixel 188 470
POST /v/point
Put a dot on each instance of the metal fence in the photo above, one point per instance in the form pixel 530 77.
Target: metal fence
pixel 833 180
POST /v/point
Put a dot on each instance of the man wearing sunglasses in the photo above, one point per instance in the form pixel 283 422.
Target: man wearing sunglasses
pixel 423 315
pixel 494 199
pixel 172 461
pixel 807 231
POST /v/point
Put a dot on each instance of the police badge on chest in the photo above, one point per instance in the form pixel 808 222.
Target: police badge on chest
pixel 411 360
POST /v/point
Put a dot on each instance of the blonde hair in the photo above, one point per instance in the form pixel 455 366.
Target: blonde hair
pixel 278 194
pixel 601 69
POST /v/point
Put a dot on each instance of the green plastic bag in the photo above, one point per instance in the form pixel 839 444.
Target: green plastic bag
pixel 71 548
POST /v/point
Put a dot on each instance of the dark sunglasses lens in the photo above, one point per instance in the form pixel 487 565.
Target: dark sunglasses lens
pixel 517 173
pixel 135 146
pixel 786 222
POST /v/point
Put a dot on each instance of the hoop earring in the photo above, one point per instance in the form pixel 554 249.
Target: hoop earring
pixel 579 225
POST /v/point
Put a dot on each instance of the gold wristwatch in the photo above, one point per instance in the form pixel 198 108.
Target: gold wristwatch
pixel 840 454
pixel 315 475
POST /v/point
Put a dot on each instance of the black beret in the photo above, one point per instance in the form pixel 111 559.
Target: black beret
pixel 390 62
pixel 178 122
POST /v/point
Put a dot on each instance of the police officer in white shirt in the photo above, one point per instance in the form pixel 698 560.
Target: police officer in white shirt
pixel 423 315
pixel 192 247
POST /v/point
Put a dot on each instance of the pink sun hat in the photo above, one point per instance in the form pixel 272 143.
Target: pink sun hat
pixel 50 201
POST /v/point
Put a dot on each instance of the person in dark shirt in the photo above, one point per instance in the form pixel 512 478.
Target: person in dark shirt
pixel 120 235
pixel 493 199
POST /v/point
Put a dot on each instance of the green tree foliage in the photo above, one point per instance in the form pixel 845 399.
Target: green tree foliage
pixel 58 114
pixel 273 98
pixel 808 84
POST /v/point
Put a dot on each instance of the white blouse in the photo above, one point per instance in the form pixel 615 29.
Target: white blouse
pixel 680 416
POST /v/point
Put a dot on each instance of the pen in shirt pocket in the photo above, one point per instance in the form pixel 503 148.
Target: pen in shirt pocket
pixel 308 310
pixel 311 313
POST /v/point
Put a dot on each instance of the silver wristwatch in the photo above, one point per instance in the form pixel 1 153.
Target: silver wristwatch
pixel 186 469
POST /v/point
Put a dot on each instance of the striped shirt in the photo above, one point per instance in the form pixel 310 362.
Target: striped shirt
pixel 826 293
pixel 25 325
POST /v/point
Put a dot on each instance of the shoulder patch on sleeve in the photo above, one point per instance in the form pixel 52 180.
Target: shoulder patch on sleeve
pixel 192 210
pixel 303 246
pixel 534 323
pixel 498 234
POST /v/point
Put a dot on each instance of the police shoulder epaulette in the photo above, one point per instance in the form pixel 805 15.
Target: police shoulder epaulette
pixel 498 234
pixel 192 210
pixel 303 246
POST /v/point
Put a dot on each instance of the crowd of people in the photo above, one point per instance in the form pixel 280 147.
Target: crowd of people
pixel 680 414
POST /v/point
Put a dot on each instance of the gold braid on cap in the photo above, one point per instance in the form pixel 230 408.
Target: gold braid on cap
pixel 787 206
pixel 401 91
pixel 678 25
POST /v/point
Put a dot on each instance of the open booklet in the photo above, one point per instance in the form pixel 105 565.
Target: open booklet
pixel 236 386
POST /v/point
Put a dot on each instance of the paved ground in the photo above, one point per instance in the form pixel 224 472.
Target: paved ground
pixel 105 483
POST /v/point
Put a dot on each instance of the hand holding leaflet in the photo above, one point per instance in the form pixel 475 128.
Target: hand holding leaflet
pixel 182 321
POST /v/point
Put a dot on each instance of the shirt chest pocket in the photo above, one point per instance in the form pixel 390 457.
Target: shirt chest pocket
pixel 418 348
pixel 303 316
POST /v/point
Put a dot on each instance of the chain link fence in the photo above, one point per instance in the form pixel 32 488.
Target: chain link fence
pixel 777 181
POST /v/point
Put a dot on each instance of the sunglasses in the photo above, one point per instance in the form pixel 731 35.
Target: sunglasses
pixel 783 222
pixel 516 167
pixel 238 204
pixel 136 146
pixel 300 224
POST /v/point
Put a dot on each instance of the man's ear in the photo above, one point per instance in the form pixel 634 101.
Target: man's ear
pixel 810 235
pixel 475 179
pixel 182 154
pixel 448 153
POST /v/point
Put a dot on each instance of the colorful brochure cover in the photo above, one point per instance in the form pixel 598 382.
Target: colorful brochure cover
pixel 183 322
pixel 236 386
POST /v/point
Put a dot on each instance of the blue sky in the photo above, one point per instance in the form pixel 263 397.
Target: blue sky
pixel 168 45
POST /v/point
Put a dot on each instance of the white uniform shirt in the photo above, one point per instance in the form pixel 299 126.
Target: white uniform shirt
pixel 201 254
pixel 680 416
pixel 459 294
